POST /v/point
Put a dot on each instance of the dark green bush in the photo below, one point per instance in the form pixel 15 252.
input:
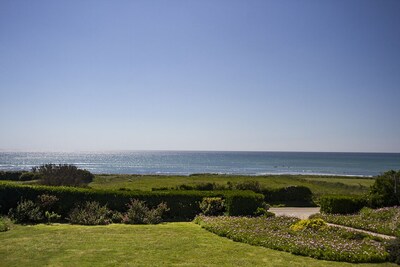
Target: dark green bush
pixel 245 203
pixel 197 186
pixel 63 175
pixel 139 213
pixel 183 205
pixel 212 206
pixel 90 213
pixel 46 202
pixel 337 204
pixel 254 186
pixel 292 195
pixel 385 192
pixel 29 176
pixel 393 248
pixel 10 175
pixel 26 212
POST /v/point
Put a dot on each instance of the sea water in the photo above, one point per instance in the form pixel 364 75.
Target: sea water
pixel 189 162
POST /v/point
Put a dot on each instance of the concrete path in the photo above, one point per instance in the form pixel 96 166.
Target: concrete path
pixel 304 213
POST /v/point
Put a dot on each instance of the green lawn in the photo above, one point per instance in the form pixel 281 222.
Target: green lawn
pixel 170 244
pixel 319 185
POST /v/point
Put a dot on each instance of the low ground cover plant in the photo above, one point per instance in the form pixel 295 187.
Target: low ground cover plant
pixel 384 220
pixel 328 243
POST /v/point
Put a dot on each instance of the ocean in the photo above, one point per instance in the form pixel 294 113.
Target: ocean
pixel 189 162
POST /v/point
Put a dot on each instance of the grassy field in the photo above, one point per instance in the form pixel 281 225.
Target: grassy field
pixel 170 244
pixel 319 185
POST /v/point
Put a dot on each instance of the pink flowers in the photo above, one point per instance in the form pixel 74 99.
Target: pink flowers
pixel 329 243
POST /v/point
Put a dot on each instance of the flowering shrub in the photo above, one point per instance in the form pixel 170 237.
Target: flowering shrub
pixel 90 213
pixel 139 213
pixel 314 224
pixel 212 206
pixel 383 221
pixel 26 212
pixel 328 243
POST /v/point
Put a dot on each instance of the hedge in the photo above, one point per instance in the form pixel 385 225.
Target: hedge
pixel 293 195
pixel 18 176
pixel 338 204
pixel 10 175
pixel 183 205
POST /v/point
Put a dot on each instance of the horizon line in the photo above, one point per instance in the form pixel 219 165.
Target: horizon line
pixel 184 150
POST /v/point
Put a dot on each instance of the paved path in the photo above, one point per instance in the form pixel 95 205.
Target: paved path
pixel 304 213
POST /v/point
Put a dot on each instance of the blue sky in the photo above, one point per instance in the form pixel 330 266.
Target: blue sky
pixel 200 75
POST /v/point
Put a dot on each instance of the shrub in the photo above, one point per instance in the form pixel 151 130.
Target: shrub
pixel 385 192
pixel 393 248
pixel 139 213
pixel 183 205
pixel 293 195
pixel 90 213
pixel 29 176
pixel 337 204
pixel 26 212
pixel 46 202
pixel 51 217
pixel 3 225
pixel 63 175
pixel 197 186
pixel 155 216
pixel 212 206
pixel 263 211
pixel 254 186
pixel 10 175
pixel 313 224
pixel 243 204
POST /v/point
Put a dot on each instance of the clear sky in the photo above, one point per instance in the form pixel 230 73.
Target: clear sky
pixel 200 75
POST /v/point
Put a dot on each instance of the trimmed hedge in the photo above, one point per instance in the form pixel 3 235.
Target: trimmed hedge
pixel 10 175
pixel 18 176
pixel 183 205
pixel 242 202
pixel 338 204
pixel 293 195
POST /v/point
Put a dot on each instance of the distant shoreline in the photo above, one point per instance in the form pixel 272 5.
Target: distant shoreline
pixel 215 162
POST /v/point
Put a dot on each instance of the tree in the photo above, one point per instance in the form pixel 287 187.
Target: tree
pixel 63 175
pixel 385 192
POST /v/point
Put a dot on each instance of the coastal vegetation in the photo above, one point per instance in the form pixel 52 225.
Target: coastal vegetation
pixel 384 220
pixel 139 245
pixel 237 204
pixel 313 239
pixel 319 185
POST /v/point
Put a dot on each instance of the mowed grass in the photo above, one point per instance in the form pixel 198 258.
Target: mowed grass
pixel 170 244
pixel 319 185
